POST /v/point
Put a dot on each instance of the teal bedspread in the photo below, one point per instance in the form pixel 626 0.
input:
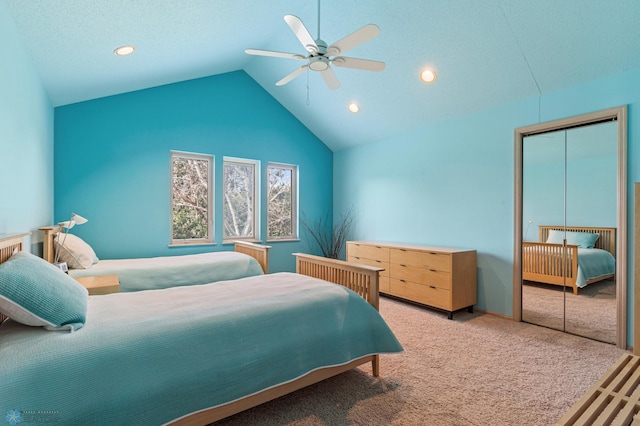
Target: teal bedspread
pixel 594 263
pixel 170 271
pixel 147 358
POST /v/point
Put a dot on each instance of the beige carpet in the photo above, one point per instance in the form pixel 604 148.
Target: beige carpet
pixel 478 369
pixel 591 313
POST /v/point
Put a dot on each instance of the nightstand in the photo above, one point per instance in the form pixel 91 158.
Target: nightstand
pixel 100 284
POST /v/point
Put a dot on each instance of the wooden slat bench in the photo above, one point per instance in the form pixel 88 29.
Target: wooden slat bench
pixel 613 400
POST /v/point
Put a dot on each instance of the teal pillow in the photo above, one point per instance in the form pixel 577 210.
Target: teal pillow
pixel 36 293
pixel 580 239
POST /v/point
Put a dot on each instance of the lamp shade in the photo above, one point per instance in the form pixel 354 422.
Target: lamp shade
pixel 79 220
pixel 76 219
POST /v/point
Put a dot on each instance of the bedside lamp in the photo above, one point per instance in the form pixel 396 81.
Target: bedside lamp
pixel 75 219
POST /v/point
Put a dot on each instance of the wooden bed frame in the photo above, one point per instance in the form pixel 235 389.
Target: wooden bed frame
pixel 362 279
pixel 257 251
pixel 543 261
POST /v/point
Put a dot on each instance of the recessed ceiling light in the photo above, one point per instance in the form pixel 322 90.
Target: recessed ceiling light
pixel 428 75
pixel 354 107
pixel 124 50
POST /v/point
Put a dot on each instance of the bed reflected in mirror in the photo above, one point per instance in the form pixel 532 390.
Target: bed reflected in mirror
pixel 569 221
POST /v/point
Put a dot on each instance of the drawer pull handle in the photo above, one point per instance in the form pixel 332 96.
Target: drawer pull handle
pixel 432 287
pixel 403 281
pixel 432 270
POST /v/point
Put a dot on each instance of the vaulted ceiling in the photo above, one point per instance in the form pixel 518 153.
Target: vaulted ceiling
pixel 486 53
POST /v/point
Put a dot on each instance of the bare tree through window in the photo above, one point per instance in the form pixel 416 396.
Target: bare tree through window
pixel 282 202
pixel 240 199
pixel 191 198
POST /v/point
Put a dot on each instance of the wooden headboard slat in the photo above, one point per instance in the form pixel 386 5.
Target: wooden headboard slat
pixel 606 240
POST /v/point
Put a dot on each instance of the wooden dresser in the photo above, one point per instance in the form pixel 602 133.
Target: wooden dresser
pixel 440 277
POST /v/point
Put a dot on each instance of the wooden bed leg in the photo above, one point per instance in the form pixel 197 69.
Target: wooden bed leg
pixel 375 365
pixel 575 290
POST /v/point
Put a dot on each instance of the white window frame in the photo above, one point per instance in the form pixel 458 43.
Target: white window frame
pixel 294 201
pixel 256 198
pixel 209 239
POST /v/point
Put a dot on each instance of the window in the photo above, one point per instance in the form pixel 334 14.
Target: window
pixel 240 214
pixel 282 203
pixel 191 198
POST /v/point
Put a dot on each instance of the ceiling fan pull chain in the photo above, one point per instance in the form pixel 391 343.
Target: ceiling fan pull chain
pixel 308 100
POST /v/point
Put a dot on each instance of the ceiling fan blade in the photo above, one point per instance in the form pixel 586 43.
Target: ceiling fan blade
pixel 330 78
pixel 292 75
pixel 354 39
pixel 361 64
pixel 301 33
pixel 274 54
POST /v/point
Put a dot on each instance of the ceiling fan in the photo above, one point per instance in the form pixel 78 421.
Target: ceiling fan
pixel 320 57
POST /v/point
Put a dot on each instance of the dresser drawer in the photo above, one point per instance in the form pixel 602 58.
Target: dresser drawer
pixel 384 284
pixel 367 251
pixel 424 259
pixel 428 295
pixel 370 262
pixel 421 275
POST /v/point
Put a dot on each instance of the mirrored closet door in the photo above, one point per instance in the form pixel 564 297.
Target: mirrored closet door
pixel 569 218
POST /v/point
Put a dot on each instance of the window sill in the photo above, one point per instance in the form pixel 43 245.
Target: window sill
pixel 174 245
pixel 284 240
pixel 247 240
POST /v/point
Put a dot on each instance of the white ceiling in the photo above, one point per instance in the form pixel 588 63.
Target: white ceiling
pixel 486 52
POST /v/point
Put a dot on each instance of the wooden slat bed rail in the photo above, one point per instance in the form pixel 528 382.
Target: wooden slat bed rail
pixel 257 251
pixel 362 279
pixel 547 263
pixel 613 400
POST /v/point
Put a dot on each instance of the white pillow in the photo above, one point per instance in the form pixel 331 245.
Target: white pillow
pixel 75 251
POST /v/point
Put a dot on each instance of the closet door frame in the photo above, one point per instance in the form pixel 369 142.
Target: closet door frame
pixel 619 114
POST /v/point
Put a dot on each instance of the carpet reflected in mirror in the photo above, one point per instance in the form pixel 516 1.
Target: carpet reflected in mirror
pixel 591 313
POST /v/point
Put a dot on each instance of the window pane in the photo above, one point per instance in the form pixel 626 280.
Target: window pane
pixel 190 203
pixel 281 219
pixel 239 199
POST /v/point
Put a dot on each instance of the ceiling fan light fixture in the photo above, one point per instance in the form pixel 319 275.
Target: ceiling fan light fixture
pixel 353 107
pixel 124 50
pixel 319 63
pixel 428 75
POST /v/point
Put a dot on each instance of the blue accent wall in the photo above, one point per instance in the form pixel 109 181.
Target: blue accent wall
pixel 26 140
pixel 112 160
pixel 452 184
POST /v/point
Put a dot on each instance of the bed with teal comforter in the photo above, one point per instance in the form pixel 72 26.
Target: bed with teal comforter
pixel 147 358
pixel 594 263
pixel 170 271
